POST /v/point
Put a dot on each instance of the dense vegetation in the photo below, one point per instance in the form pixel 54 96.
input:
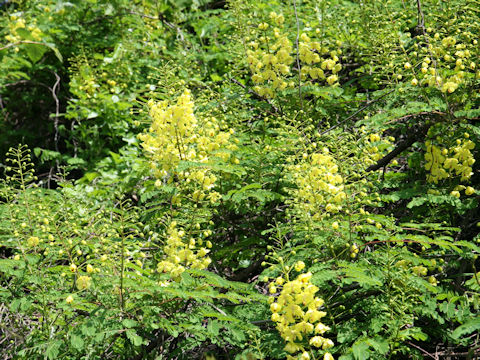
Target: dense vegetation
pixel 200 179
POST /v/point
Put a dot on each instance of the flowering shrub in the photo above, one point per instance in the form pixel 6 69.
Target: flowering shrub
pixel 239 179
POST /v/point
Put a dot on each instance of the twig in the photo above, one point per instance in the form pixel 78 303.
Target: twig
pixel 162 19
pixel 416 114
pixel 467 355
pixel 54 91
pixel 356 112
pixel 298 56
pixel 402 145
pixel 21 42
pixel 74 141
pixel 218 309
pixel 421 18
pixel 422 350
pixel 144 15
pixel 250 91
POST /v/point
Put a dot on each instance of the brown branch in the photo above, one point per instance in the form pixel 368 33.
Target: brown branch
pixel 417 135
pixel 54 90
pixel 468 355
pixel 21 42
pixel 421 18
pixel 253 269
pixel 422 350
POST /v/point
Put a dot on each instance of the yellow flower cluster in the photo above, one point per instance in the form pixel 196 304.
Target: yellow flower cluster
pixel 33 241
pixel 420 270
pixel 309 51
pixel 443 163
pixel 270 59
pixel 446 63
pixel 320 186
pixel 19 23
pixel 375 146
pixel 270 66
pixel 295 312
pixel 181 254
pixel 177 135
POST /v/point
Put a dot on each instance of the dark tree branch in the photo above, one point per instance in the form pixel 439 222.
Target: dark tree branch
pixel 415 136
pixel 425 352
pixel 253 269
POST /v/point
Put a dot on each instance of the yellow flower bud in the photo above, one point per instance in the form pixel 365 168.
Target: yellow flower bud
pixel 299 266
pixel 328 356
pixel 83 282
pixel 305 356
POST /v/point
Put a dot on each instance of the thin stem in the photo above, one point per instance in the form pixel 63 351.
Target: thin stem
pixel 298 56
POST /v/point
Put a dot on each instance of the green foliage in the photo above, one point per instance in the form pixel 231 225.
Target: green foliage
pixel 330 141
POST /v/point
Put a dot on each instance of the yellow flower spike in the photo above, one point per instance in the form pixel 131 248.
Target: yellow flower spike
pixel 292 347
pixel 276 317
pixel 296 313
pixel 69 299
pixel 90 269
pixel 73 267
